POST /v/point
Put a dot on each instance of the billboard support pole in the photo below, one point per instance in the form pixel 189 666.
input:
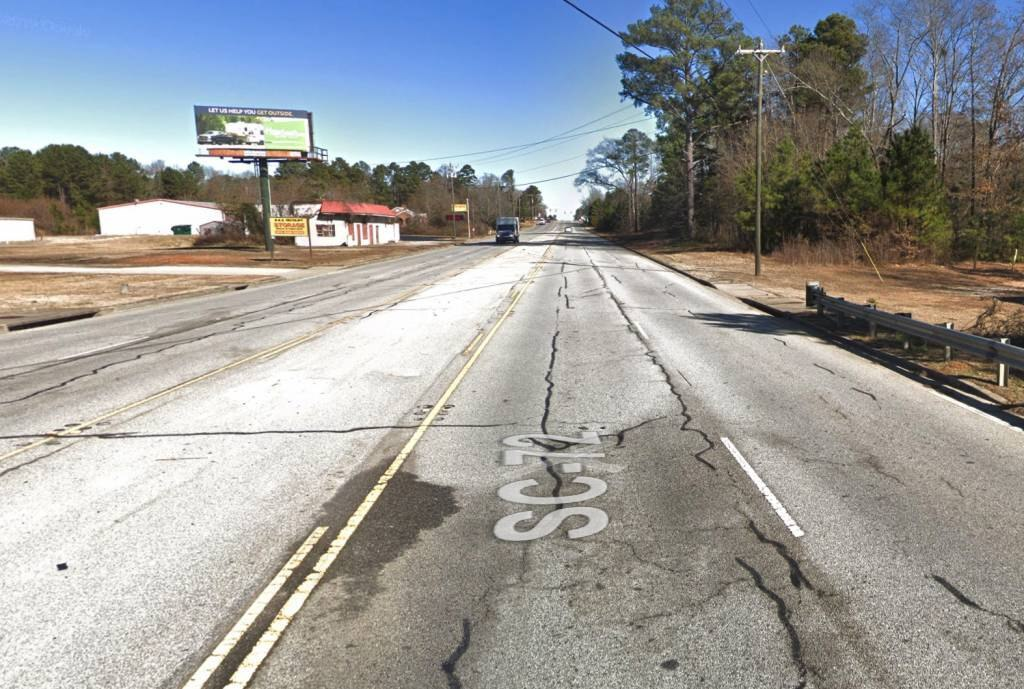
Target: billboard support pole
pixel 265 197
pixel 309 239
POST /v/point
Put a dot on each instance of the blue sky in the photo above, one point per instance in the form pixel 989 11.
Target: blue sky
pixel 386 80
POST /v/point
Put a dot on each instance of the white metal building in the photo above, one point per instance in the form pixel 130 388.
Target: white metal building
pixel 157 216
pixel 340 223
pixel 17 230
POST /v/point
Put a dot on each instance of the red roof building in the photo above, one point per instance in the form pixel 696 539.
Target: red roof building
pixel 349 208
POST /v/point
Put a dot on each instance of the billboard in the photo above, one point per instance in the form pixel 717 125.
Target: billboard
pixel 253 132
pixel 289 227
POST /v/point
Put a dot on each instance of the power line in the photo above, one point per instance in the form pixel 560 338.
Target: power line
pixel 560 141
pixel 550 179
pixel 621 36
pixel 763 22
pixel 520 146
pixel 557 162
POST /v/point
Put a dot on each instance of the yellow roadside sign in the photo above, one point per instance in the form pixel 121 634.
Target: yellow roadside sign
pixel 460 208
pixel 289 227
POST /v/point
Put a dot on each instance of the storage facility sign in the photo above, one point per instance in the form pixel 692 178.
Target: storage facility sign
pixel 289 227
pixel 460 208
pixel 253 132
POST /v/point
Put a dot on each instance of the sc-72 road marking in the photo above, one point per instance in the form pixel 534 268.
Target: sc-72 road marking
pixel 527 445
pixel 271 635
pixel 780 510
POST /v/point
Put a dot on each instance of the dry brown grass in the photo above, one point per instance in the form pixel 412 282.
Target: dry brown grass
pixel 180 251
pixel 934 293
pixel 27 294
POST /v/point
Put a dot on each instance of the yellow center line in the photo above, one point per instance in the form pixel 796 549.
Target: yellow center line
pixel 76 429
pixel 232 638
pixel 247 669
pixel 472 345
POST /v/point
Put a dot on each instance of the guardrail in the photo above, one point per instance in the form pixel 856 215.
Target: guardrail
pixel 1000 351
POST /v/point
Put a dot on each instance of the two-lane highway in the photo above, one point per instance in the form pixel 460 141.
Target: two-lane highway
pixel 551 465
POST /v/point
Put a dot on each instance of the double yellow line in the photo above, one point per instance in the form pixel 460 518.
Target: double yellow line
pixel 272 634
pixel 76 429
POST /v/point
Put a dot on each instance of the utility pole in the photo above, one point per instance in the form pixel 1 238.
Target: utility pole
pixel 451 185
pixel 761 53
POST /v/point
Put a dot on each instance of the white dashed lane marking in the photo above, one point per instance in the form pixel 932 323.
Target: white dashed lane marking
pixel 780 510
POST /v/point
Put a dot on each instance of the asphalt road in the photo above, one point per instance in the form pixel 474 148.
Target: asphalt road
pixel 555 464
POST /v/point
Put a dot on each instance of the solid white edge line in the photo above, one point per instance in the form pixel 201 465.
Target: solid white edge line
pixel 780 510
pixel 976 412
pixel 99 350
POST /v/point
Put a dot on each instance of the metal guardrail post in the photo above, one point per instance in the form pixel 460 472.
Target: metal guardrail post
pixel 906 336
pixel 948 351
pixel 1002 377
pixel 811 291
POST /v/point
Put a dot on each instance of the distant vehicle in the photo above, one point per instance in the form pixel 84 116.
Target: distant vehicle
pixel 250 133
pixel 542 221
pixel 224 138
pixel 506 230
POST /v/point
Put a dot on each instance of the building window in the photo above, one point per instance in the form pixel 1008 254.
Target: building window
pixel 324 229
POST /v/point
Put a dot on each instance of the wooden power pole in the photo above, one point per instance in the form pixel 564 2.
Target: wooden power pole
pixel 761 53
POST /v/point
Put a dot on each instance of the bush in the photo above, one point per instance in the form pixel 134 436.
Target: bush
pixel 51 216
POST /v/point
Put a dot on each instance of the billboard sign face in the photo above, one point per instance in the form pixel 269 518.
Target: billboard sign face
pixel 289 227
pixel 253 132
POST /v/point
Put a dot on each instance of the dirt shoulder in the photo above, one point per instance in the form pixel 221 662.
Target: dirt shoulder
pixel 932 293
pixel 35 295
pixel 180 251
pixel 40 294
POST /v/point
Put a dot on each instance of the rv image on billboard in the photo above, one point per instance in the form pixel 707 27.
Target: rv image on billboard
pixel 253 130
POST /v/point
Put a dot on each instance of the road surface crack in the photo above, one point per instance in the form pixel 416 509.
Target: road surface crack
pixel 783 613
pixel 449 665
pixel 876 465
pixel 684 409
pixel 953 488
pixel 796 574
pixel 1013 623
pixel 641 559
pixel 549 379
pixel 863 392
pixel 828 370
pixel 621 435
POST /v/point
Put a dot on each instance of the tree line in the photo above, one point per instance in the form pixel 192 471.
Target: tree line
pixel 62 185
pixel 898 131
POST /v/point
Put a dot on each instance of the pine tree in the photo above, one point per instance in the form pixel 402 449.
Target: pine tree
pixel 913 195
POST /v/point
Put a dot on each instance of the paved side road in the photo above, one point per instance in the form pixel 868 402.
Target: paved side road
pixel 560 466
